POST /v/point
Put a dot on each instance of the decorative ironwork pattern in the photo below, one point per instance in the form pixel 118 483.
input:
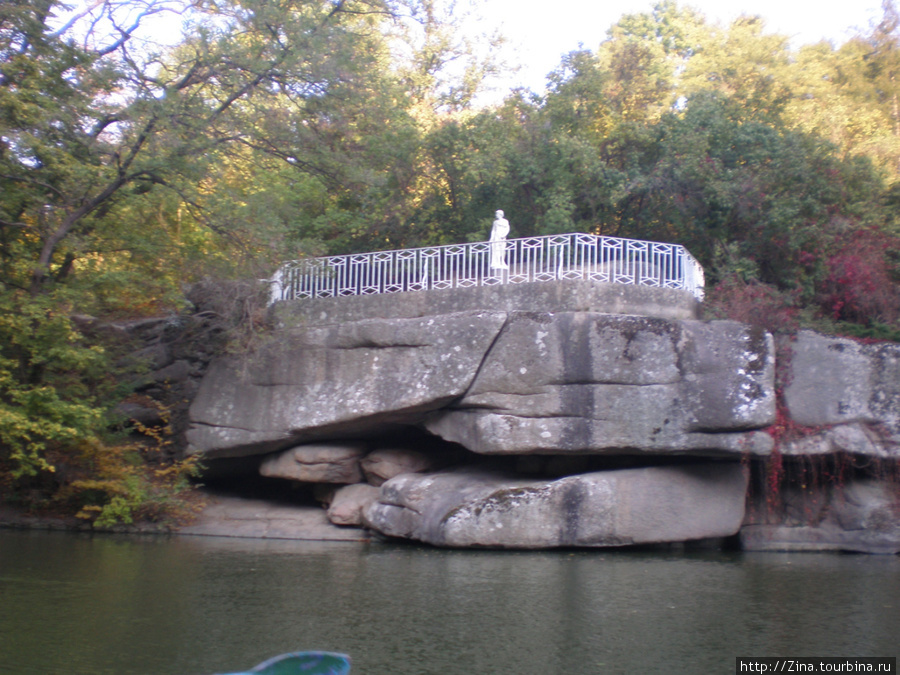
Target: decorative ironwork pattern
pixel 529 259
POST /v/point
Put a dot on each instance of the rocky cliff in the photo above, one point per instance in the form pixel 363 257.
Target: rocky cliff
pixel 548 415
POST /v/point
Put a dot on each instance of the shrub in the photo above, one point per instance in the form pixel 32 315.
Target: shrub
pixel 51 381
pixel 754 303
pixel 858 286
pixel 117 487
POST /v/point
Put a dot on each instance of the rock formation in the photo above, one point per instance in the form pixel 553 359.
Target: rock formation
pixel 339 380
pixel 590 383
pixel 474 507
pixel 840 486
pixel 317 463
pixel 550 419
pixel 500 383
pixel 849 390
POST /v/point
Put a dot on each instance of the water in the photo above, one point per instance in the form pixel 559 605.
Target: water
pixel 106 604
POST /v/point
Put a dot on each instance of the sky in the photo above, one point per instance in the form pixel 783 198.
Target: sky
pixel 540 35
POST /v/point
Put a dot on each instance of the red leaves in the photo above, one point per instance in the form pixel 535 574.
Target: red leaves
pixel 754 303
pixel 858 286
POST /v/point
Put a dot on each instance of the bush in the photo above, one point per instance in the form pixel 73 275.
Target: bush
pixel 51 381
pixel 753 303
pixel 859 286
pixel 117 487
pixel 58 383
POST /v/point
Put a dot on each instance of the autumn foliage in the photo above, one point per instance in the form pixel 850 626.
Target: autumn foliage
pixel 131 169
pixel 860 285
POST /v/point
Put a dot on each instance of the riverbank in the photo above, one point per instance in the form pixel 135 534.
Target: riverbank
pixel 219 516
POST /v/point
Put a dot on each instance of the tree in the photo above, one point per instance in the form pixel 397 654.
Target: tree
pixel 883 61
pixel 116 159
pixel 847 94
pixel 744 64
pixel 88 122
pixel 273 128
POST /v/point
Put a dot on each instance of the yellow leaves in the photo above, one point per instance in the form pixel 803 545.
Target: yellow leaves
pixel 89 512
pixel 176 471
pixel 119 487
pixel 159 435
pixel 28 461
pixel 834 97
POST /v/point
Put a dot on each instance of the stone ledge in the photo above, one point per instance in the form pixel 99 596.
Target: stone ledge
pixel 260 519
pixel 556 296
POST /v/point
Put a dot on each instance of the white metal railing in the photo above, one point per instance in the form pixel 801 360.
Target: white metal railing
pixel 530 259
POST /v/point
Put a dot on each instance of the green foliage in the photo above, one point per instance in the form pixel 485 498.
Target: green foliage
pixel 51 380
pixel 129 169
pixel 876 332
pixel 760 161
pixel 101 132
pixel 721 181
pixel 278 130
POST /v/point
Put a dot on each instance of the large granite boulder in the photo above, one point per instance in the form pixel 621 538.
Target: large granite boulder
pixel 349 502
pixel 497 383
pixel 583 382
pixel 859 515
pixel 385 463
pixel 338 380
pixel 317 463
pixel 480 508
pixel 848 392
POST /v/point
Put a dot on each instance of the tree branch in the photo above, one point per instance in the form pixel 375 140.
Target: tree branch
pixel 76 18
pixel 7 223
pixel 31 181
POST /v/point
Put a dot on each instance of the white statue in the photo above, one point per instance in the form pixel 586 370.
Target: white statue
pixel 498 242
pixel 277 284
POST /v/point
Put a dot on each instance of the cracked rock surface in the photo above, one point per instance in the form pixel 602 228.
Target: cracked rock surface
pixel 338 380
pixel 575 382
pixel 849 390
pixel 548 415
pixel 499 383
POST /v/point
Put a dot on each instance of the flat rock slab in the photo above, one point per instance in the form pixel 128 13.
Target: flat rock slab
pixel 479 508
pixel 515 382
pixel 856 439
pixel 337 381
pixel 818 538
pixel 562 295
pixel 258 519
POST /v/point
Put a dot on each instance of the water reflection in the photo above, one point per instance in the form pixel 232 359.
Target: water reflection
pixel 195 605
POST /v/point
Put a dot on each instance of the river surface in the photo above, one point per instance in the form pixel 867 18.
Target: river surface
pixel 191 605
